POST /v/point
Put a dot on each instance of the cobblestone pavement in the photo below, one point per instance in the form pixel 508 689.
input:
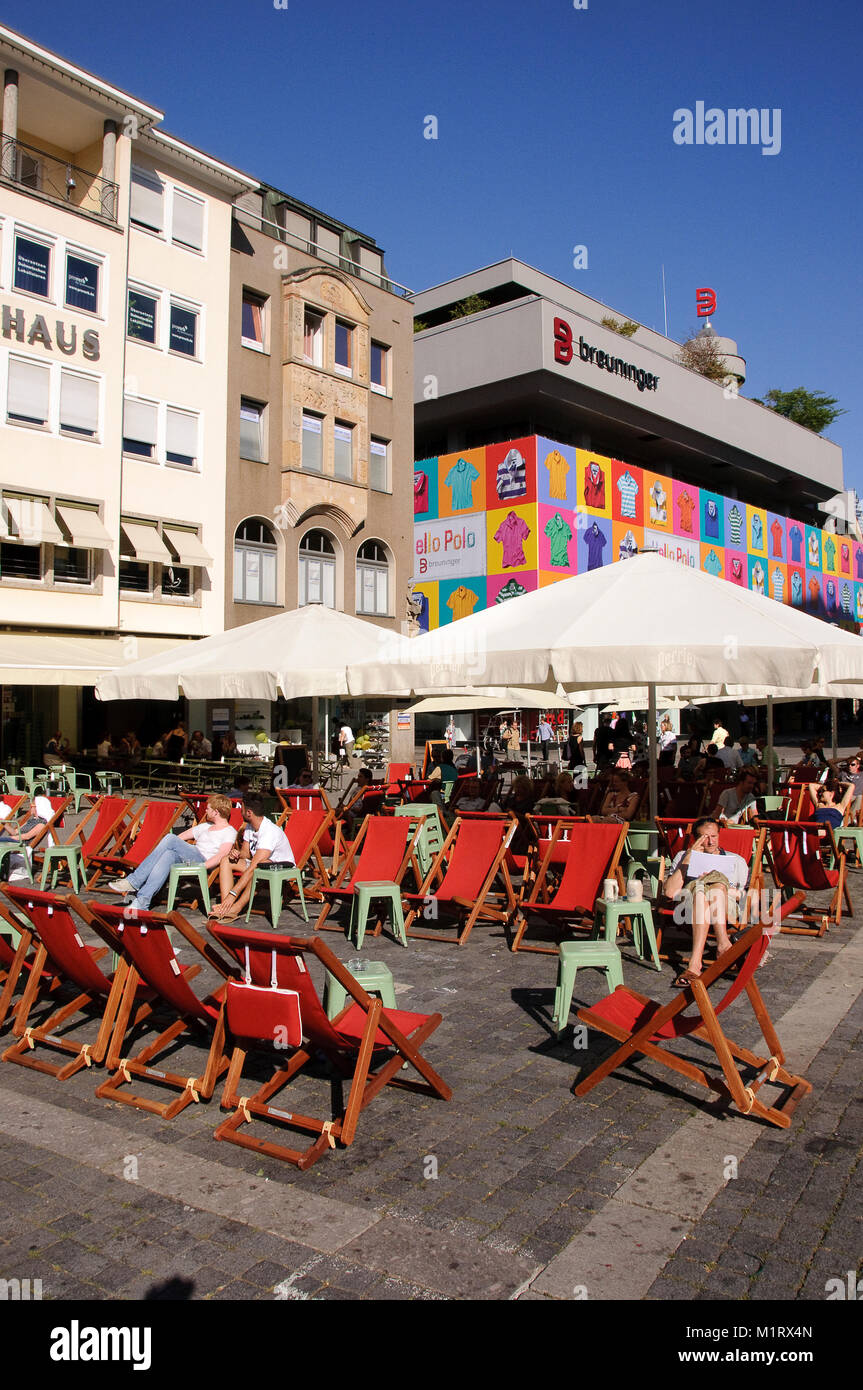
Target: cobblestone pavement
pixel 514 1189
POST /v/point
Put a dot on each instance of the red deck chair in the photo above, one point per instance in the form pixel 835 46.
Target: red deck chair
pixel 674 833
pixel 386 846
pixel 593 855
pixel 314 800
pixel 306 832
pixel 460 885
pixel 542 829
pixel 639 1024
pixel 102 826
pixel 684 800
pixel 397 772
pixel 17 954
pixel 13 801
pixel 152 823
pixel 746 840
pixel 54 932
pixel 145 943
pixel 795 852
pixel 278 1000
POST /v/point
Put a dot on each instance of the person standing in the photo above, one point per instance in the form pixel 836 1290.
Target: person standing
pixel 346 742
pixel 546 736
pixel 576 746
pixel 175 747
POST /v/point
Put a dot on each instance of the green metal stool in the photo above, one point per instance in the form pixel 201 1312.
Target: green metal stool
pixel 16 847
pixel 431 836
pixel 51 864
pixel 277 879
pixel 364 895
pixel 642 924
pixel 198 871
pixel 374 977
pixel 575 955
pixel 80 784
pixel 854 833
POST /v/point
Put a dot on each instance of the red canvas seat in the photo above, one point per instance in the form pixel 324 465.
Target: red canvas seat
pixel 363 1036
pixel 152 823
pixel 145 943
pixel 593 855
pixel 59 948
pixel 458 887
pixel 382 852
pixel 796 854
pixel 102 827
pixel 639 1024
pixel 17 956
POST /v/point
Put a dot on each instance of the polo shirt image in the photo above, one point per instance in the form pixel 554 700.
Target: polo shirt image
pixel 628 489
pixel 595 542
pixel 511 477
pixel 558 468
pixel 512 532
pixel 559 534
pixel 594 486
pixel 461 602
pixel 461 479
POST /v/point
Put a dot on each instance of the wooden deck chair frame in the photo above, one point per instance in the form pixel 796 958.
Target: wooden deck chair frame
pixel 192 1023
pixel 353 1062
pixel 99 994
pixel 339 887
pixel 488 906
pixel 538 896
pixel 16 960
pixel 641 1038
pixel 811 921
pixel 117 861
pixel 112 829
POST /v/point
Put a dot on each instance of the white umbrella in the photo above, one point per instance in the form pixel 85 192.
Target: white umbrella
pixel 298 653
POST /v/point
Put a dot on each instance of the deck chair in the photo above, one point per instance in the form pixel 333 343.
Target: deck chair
pixel 13 801
pixel 795 851
pixel 102 826
pixel 144 941
pixel 593 856
pixel 366 1044
pixel 306 831
pixel 54 931
pixel 684 800
pixel 139 838
pixel 17 954
pixel 460 887
pixel 639 1024
pixel 383 851
pixel 303 799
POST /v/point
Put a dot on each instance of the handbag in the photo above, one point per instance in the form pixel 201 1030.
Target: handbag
pixel 266 1014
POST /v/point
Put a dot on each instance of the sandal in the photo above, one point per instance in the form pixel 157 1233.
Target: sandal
pixel 685 979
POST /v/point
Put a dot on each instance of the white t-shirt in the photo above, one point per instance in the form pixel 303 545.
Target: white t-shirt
pixel 270 836
pixel 732 866
pixel 732 804
pixel 347 734
pixel 208 840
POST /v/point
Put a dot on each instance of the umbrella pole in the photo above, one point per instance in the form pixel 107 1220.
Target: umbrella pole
pixel 315 757
pixel 528 755
pixel 769 745
pixel 834 726
pixel 653 781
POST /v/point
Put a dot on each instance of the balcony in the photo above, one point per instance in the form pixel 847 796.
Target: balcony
pixel 33 171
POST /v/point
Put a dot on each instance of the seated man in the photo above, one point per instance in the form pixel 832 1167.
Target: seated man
pixel 729 756
pixel 199 746
pixel 266 846
pixel 206 843
pixel 701 879
pixel 735 800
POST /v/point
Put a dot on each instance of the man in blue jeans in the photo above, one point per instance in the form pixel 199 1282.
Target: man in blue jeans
pixel 206 844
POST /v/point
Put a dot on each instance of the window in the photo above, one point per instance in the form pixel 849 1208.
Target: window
pixel 253 320
pixel 252 431
pixel 142 317
pixel 379 367
pixel 188 221
pixel 82 284
pixel 255 563
pixel 28 392
pixel 343 451
pixel 317 569
pixel 183 333
pixel 372 579
pixel 176 581
pixel 313 338
pixel 379 465
pixel 313 457
pixel 134 577
pixel 21 562
pixel 140 424
pixel 181 437
pixel 148 200
pixel 71 565
pixel 31 271
pixel 79 404
pixel 344 348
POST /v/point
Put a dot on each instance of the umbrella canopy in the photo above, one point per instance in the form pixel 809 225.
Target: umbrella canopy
pixel 298 653
pixel 647 621
pixel 507 698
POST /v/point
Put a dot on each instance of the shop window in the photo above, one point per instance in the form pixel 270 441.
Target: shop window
pixel 31 268
pixel 176 581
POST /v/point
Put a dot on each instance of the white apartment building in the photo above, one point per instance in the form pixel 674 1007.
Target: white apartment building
pixel 114 311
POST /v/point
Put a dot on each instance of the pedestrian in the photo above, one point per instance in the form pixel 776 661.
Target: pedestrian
pixel 346 742
pixel 576 746
pixel 175 747
pixel 546 736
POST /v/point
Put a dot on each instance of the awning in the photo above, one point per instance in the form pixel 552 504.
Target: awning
pixel 85 528
pixel 46 659
pixel 34 521
pixel 146 542
pixel 187 546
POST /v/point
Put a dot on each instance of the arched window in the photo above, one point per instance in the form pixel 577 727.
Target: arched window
pixel 373 572
pixel 255 563
pixel 317 569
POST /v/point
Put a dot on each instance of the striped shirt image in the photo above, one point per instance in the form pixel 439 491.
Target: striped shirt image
pixel 735 524
pixel 846 599
pixel 777 582
pixel 511 480
pixel 628 489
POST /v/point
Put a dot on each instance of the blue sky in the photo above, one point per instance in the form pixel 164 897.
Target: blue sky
pixel 554 130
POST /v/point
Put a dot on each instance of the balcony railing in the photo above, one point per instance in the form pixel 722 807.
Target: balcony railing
pixel 57 179
pixel 272 229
